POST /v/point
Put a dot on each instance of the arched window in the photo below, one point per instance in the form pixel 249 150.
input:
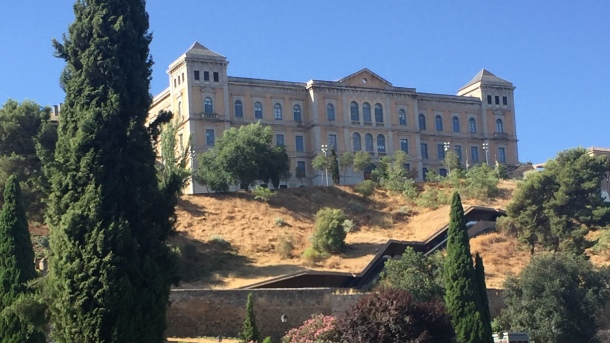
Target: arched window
pixel 277 111
pixel 258 110
pixel 456 124
pixel 366 113
pixel 239 109
pixel 499 126
pixel 438 121
pixel 378 113
pixel 368 142
pixel 355 113
pixel 296 110
pixel 472 125
pixel 402 117
pixel 207 105
pixel 422 121
pixel 357 142
pixel 380 143
pixel 330 112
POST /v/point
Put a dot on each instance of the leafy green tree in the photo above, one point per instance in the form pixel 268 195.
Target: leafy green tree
pixel 174 173
pixel 329 235
pixel 501 171
pixel 421 275
pixel 16 266
pixel 393 315
pixel 555 298
pixel 381 169
pixel 27 142
pixel 480 183
pixel 334 167
pixel 556 207
pixel 395 173
pixel 346 161
pixel 462 295
pixel 362 160
pixel 275 163
pixel 452 162
pixel 479 271
pixel 250 330
pixel 211 173
pixel 111 269
pixel 299 173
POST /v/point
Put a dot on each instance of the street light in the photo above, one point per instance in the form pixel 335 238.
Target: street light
pixel 324 151
pixel 486 148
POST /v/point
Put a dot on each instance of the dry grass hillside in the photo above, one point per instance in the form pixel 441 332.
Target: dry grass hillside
pixel 232 240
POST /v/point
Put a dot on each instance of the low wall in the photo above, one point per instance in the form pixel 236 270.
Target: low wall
pixel 204 312
pixel 194 313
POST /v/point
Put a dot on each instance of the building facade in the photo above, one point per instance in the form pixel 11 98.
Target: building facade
pixel 360 112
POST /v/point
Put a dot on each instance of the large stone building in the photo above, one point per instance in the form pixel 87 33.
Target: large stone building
pixel 361 111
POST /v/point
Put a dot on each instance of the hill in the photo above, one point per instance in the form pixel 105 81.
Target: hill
pixel 232 240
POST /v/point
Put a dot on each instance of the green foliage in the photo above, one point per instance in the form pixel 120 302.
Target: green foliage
pixel 481 183
pixel 334 167
pixel 329 235
pixel 452 162
pixel 462 295
pixel 346 161
pixel 421 275
pixel 285 246
pixel 365 188
pixel 431 197
pixel 262 193
pixel 16 267
pixel 109 218
pixel 410 191
pixel 479 271
pixel 318 329
pixel 395 175
pixel 211 173
pixel 555 299
pixel 174 173
pixel 393 315
pixel 27 142
pixel 275 166
pixel 349 226
pixel 362 160
pixel 279 222
pixel 312 256
pixel 555 208
pixel 501 171
pixel 250 330
pixel 299 173
pixel 319 162
pixel 267 340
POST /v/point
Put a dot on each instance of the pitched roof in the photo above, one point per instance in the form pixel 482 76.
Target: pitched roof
pixel 365 70
pixel 198 50
pixel 486 76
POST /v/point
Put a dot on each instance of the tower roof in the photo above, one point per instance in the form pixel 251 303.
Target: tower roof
pixel 198 50
pixel 485 76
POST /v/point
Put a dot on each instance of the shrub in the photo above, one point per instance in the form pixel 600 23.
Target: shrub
pixel 285 246
pixel 267 340
pixel 311 256
pixel 318 329
pixel 507 226
pixel 432 198
pixel 349 226
pixel 392 315
pixel 329 235
pixel 481 183
pixel 365 188
pixel 279 221
pixel 262 193
pixel 410 190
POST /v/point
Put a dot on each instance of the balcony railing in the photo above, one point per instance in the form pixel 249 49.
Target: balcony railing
pixel 500 135
pixel 368 123
pixel 379 125
pixel 355 123
pixel 209 115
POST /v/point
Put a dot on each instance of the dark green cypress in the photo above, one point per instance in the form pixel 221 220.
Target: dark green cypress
pixel 16 265
pixel 250 331
pixel 479 271
pixel 110 269
pixel 334 167
pixel 461 295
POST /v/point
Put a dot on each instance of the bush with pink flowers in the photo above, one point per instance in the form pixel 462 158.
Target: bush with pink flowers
pixel 318 329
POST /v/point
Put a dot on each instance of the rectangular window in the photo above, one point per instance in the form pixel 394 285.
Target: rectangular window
pixel 440 151
pixel 458 151
pixel 442 172
pixel 197 75
pixel 209 137
pixel 301 168
pixel 489 99
pixel 332 142
pixel 474 154
pixel 175 84
pixel 216 76
pixel 404 145
pixel 299 143
pixel 501 155
pixel 504 101
pixel 497 100
pixel 406 166
pixel 279 139
pixel 424 150
pixel 206 76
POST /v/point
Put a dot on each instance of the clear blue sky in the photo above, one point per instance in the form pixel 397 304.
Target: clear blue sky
pixel 557 53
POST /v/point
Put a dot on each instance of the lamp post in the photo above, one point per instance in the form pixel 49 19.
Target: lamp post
pixel 486 148
pixel 324 151
pixel 446 146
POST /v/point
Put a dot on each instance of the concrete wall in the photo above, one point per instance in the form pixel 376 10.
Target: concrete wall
pixel 195 313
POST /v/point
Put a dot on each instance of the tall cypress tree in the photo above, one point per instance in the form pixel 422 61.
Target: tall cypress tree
pixel 479 271
pixel 110 269
pixel 334 167
pixel 250 330
pixel 461 295
pixel 16 265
